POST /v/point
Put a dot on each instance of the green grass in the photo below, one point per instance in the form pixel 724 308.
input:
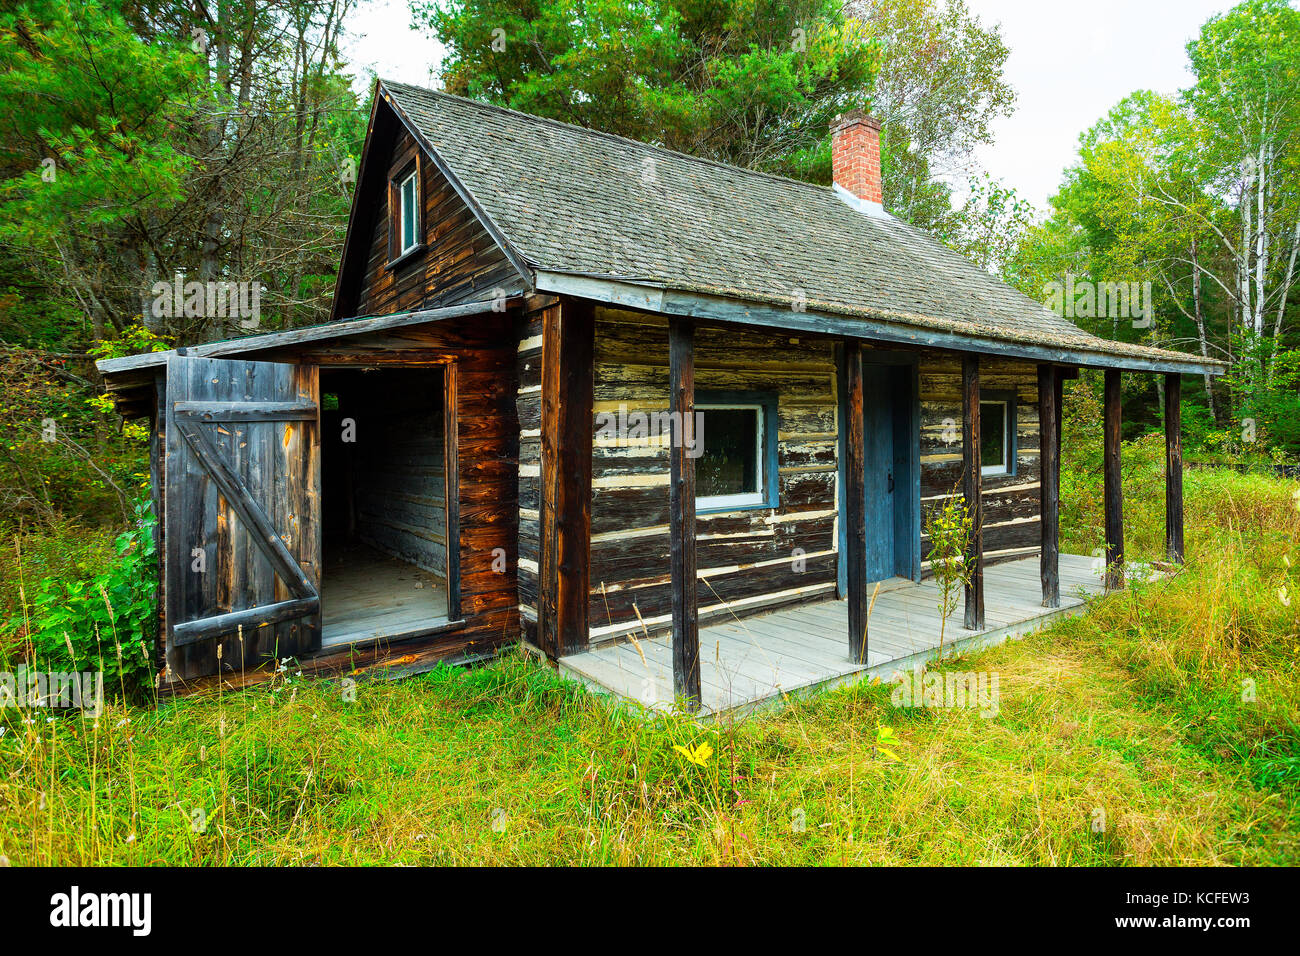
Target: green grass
pixel 1137 715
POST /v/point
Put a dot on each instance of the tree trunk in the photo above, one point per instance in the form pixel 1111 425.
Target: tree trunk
pixel 1199 313
pixel 1281 305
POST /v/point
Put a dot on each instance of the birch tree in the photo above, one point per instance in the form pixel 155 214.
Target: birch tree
pixel 1247 99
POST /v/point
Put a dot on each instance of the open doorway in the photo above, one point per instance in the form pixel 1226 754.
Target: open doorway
pixel 384 511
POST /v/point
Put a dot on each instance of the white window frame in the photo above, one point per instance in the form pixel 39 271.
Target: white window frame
pixel 403 246
pixel 745 499
pixel 1005 467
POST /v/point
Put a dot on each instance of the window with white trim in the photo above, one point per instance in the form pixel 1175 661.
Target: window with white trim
pixel 997 436
pixel 732 468
pixel 408 222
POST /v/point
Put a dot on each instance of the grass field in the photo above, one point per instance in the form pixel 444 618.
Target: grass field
pixel 1162 728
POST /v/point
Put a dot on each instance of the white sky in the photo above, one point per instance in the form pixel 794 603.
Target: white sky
pixel 384 42
pixel 1070 62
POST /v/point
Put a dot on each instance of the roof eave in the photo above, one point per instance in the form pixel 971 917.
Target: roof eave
pixel 145 361
pixel 660 298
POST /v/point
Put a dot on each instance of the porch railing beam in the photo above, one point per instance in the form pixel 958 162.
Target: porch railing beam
pixel 1173 469
pixel 970 417
pixel 681 513
pixel 855 502
pixel 1114 490
pixel 1049 412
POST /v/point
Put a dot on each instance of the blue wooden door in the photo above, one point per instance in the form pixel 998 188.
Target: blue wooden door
pixel 891 451
pixel 878 441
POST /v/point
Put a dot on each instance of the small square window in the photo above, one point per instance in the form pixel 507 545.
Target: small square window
pixel 731 469
pixel 996 441
pixel 408 222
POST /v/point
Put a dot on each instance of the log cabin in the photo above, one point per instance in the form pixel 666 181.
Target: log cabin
pixel 577 389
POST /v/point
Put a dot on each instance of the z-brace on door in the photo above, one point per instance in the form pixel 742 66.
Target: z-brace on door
pixel 242 524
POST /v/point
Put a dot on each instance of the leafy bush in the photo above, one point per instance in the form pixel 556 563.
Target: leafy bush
pixel 65 451
pixel 949 528
pixel 107 623
pixel 70 550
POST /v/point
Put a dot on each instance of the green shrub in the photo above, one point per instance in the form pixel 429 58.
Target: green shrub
pixel 107 623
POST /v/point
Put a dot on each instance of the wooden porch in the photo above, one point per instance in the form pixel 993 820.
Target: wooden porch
pixel 754 662
pixel 742 665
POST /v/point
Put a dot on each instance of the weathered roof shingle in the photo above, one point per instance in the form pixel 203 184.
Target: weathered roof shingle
pixel 573 200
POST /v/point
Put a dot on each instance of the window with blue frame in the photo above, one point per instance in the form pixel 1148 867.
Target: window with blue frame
pixel 736 466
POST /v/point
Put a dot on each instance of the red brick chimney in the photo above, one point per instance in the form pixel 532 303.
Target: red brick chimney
pixel 855 157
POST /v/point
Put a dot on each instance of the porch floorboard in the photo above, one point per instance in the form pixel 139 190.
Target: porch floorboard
pixel 759 661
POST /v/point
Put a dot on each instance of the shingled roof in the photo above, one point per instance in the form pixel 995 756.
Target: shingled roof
pixel 565 199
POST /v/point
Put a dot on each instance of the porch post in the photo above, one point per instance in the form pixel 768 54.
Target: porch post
pixel 1049 455
pixel 1173 468
pixel 568 339
pixel 1113 488
pixel 681 513
pixel 855 502
pixel 970 417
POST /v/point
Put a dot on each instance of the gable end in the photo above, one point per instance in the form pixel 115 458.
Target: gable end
pixel 457 257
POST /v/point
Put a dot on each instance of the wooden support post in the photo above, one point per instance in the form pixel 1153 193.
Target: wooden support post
pixel 855 502
pixel 1113 487
pixel 1049 565
pixel 970 419
pixel 1060 415
pixel 1173 468
pixel 568 339
pixel 681 513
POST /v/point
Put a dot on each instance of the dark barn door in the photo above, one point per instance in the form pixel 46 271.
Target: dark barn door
pixel 891 453
pixel 242 524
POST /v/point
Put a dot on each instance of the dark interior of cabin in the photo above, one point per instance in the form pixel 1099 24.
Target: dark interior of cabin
pixel 383 503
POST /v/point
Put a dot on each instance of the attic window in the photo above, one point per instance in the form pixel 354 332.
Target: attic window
pixel 408 215
pixel 406 219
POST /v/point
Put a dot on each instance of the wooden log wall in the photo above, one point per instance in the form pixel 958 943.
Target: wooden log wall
pixel 528 412
pixel 1010 503
pixel 462 262
pixel 746 558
